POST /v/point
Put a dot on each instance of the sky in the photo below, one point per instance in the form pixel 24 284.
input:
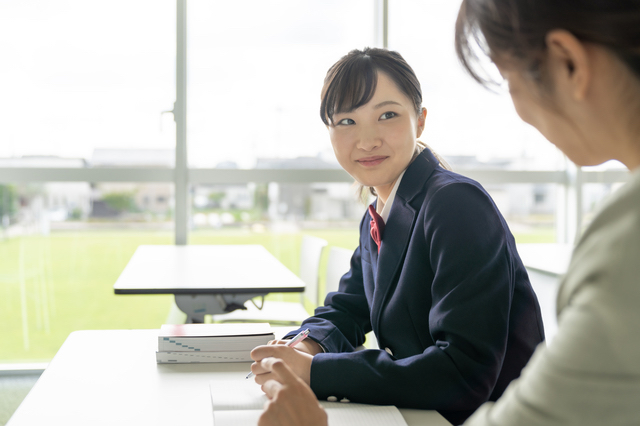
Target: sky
pixel 83 75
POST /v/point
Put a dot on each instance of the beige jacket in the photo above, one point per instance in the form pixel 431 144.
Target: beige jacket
pixel 590 373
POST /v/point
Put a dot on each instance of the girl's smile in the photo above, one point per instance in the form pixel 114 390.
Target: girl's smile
pixel 371 161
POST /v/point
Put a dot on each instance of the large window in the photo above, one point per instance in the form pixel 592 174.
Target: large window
pixel 80 76
pixel 98 155
pixel 465 121
pixel 254 79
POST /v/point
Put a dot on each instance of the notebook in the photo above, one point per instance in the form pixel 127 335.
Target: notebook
pixel 213 337
pixel 240 402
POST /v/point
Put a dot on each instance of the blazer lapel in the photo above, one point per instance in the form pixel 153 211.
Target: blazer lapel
pixel 398 230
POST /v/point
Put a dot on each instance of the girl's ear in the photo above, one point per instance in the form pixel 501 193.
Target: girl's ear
pixel 422 117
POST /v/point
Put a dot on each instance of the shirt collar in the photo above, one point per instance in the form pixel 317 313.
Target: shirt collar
pixel 383 209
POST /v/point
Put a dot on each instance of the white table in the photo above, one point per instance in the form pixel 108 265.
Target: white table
pixel 206 279
pixel 546 265
pixel 88 384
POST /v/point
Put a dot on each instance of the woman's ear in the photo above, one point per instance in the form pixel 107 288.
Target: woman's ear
pixel 422 117
pixel 569 63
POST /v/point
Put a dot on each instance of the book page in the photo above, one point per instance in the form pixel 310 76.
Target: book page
pixel 236 395
pixel 240 402
pixel 236 417
pixel 350 414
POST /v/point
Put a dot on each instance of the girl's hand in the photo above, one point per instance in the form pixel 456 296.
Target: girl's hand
pixel 307 345
pixel 298 361
pixel 291 401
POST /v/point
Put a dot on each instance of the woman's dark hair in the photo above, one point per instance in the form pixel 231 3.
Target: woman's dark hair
pixel 351 82
pixel 517 29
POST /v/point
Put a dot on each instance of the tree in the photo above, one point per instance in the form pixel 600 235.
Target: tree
pixel 215 199
pixel 8 203
pixel 261 198
pixel 120 201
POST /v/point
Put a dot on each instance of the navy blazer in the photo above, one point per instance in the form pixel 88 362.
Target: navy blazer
pixel 447 297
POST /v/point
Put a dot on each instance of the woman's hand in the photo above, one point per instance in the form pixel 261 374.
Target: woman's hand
pixel 291 401
pixel 298 361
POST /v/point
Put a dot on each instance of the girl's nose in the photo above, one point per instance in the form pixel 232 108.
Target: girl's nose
pixel 369 140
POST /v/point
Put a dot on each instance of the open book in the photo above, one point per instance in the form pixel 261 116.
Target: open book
pixel 241 402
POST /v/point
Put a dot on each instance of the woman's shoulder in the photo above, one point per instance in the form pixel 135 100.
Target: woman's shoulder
pixel 605 260
pixel 619 216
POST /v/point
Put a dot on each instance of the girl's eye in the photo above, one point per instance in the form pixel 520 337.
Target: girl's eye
pixel 388 115
pixel 346 121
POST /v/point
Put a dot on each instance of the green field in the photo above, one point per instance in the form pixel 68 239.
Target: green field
pixel 53 285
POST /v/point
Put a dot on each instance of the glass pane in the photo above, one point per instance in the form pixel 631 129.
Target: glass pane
pixel 594 196
pixel 529 209
pixel 608 165
pixel 255 78
pixel 464 121
pixel 277 216
pixel 81 75
pixel 62 248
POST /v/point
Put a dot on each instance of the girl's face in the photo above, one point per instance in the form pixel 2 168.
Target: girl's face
pixel 376 142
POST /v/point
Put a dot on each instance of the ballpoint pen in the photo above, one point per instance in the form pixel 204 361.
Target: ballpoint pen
pixel 297 339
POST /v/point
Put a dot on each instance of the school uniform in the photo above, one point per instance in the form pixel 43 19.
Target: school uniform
pixel 447 297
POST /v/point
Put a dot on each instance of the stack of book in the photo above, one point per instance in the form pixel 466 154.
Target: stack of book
pixel 197 343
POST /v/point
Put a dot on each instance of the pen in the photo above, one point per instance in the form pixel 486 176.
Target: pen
pixel 297 339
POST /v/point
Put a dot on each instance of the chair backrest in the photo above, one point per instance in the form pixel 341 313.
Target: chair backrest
pixel 338 264
pixel 310 254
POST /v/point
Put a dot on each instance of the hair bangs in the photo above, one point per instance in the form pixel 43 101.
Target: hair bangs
pixel 351 85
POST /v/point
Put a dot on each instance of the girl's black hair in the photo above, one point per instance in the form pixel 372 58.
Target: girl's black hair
pixel 351 82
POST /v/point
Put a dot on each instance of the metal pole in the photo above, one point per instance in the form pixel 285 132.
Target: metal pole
pixel 385 24
pixel 381 24
pixel 180 117
pixel 569 211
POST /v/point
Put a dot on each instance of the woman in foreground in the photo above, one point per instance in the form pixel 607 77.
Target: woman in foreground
pixel 573 69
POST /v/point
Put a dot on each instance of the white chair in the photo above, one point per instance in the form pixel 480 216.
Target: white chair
pixel 338 264
pixel 287 312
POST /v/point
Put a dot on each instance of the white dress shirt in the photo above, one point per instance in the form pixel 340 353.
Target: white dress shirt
pixel 383 209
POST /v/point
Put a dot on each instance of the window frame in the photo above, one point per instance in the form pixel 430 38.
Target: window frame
pixel 571 179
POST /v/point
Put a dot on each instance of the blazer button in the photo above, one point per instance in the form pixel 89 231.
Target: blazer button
pixel 387 350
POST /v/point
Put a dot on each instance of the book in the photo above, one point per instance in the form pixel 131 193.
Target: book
pixel 198 343
pixel 213 337
pixel 240 402
pixel 186 357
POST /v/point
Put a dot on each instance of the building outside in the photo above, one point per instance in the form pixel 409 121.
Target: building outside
pixel 130 200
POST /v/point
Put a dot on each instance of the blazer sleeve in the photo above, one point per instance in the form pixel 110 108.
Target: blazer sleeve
pixel 466 246
pixel 344 320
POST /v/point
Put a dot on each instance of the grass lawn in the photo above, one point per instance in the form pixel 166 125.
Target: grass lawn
pixel 53 285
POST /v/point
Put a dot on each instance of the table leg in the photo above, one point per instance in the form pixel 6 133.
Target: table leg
pixel 196 306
